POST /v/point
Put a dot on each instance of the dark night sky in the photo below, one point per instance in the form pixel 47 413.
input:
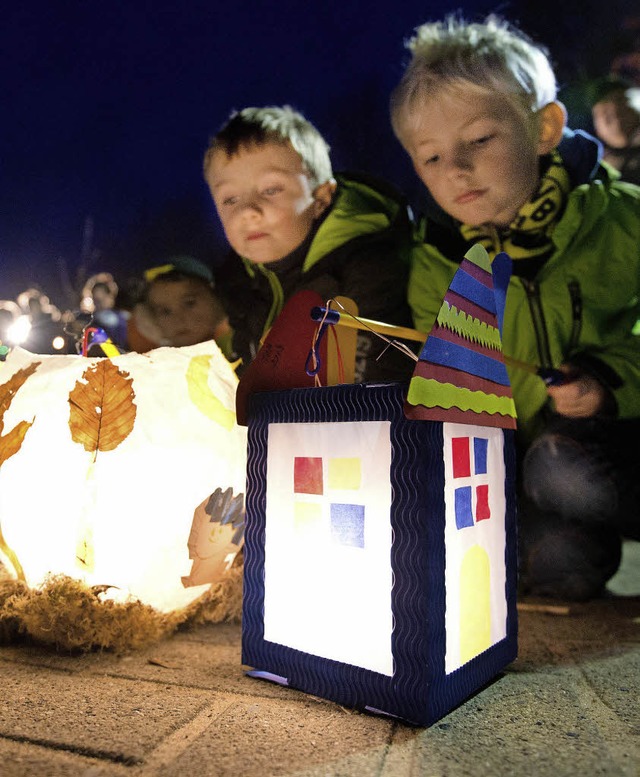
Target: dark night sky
pixel 108 106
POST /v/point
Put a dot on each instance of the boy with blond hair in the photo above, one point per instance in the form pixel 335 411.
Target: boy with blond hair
pixel 292 225
pixel 476 110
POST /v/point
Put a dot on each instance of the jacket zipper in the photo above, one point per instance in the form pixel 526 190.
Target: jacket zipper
pixel 537 318
pixel 576 315
pixel 539 325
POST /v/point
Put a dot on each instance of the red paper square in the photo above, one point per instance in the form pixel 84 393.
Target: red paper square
pixel 482 503
pixel 461 457
pixel 307 475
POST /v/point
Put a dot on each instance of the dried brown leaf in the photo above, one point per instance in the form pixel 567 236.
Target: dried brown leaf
pixel 11 442
pixel 11 557
pixel 102 410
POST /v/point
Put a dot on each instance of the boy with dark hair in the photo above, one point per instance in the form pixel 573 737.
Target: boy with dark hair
pixel 293 226
pixel 179 307
pixel 477 112
pixel 616 121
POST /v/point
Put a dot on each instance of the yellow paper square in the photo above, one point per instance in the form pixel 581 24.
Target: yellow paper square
pixel 307 516
pixel 345 473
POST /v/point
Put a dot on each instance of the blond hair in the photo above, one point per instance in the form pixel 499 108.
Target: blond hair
pixel 492 55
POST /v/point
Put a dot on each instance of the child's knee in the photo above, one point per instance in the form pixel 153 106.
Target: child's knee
pixel 567 561
pixel 563 476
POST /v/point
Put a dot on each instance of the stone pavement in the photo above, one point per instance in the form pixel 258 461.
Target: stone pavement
pixel 569 705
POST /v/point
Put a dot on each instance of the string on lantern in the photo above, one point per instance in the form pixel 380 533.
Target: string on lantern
pixel 314 362
pixel 328 317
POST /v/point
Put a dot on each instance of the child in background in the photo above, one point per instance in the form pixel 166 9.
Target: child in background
pixel 179 307
pixel 106 313
pixel 476 111
pixel 616 120
pixel 293 226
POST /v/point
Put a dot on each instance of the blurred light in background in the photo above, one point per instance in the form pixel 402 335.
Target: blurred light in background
pixel 18 332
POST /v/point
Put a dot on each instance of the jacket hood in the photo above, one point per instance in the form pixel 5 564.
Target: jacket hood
pixel 362 206
pixel 581 154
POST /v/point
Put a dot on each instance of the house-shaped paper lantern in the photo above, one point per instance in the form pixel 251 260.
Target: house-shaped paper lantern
pixel 380 555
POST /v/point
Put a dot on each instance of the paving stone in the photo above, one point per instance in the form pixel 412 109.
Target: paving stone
pixel 196 663
pixel 20 759
pixel 259 737
pixel 524 724
pixel 115 719
pixel 616 681
pixel 567 706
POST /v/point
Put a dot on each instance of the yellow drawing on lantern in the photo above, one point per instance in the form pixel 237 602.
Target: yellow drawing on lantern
pixel 201 395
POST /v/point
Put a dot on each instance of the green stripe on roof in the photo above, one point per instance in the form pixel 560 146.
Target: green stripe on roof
pixel 431 393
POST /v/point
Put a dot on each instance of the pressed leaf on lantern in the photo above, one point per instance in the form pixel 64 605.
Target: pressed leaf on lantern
pixel 102 410
pixel 11 442
pixel 13 559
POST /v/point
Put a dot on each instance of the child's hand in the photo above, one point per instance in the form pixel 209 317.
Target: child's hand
pixel 580 397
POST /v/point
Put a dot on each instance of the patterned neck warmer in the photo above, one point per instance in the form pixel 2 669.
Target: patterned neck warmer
pixel 529 234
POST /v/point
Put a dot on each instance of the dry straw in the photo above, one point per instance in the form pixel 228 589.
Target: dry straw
pixel 70 616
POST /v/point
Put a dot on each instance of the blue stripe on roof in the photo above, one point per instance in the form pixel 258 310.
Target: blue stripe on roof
pixel 464 359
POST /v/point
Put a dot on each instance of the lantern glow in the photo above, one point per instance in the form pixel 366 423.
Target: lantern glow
pixel 336 519
pixel 380 564
pixel 115 460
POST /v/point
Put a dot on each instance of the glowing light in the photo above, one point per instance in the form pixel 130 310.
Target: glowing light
pixel 86 304
pixel 336 515
pixel 18 332
pixel 58 343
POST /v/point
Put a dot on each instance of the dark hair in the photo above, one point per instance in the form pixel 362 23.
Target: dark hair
pixel 257 126
pixel 175 276
pixel 603 87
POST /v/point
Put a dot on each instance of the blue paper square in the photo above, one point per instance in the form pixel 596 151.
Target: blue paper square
pixel 480 445
pixel 464 515
pixel 347 524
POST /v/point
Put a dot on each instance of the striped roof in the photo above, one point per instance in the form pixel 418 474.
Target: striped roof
pixel 461 375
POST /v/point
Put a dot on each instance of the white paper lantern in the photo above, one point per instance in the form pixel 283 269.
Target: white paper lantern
pixel 106 466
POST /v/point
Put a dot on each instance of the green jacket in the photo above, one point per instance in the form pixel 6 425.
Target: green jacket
pixel 361 250
pixel 580 308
